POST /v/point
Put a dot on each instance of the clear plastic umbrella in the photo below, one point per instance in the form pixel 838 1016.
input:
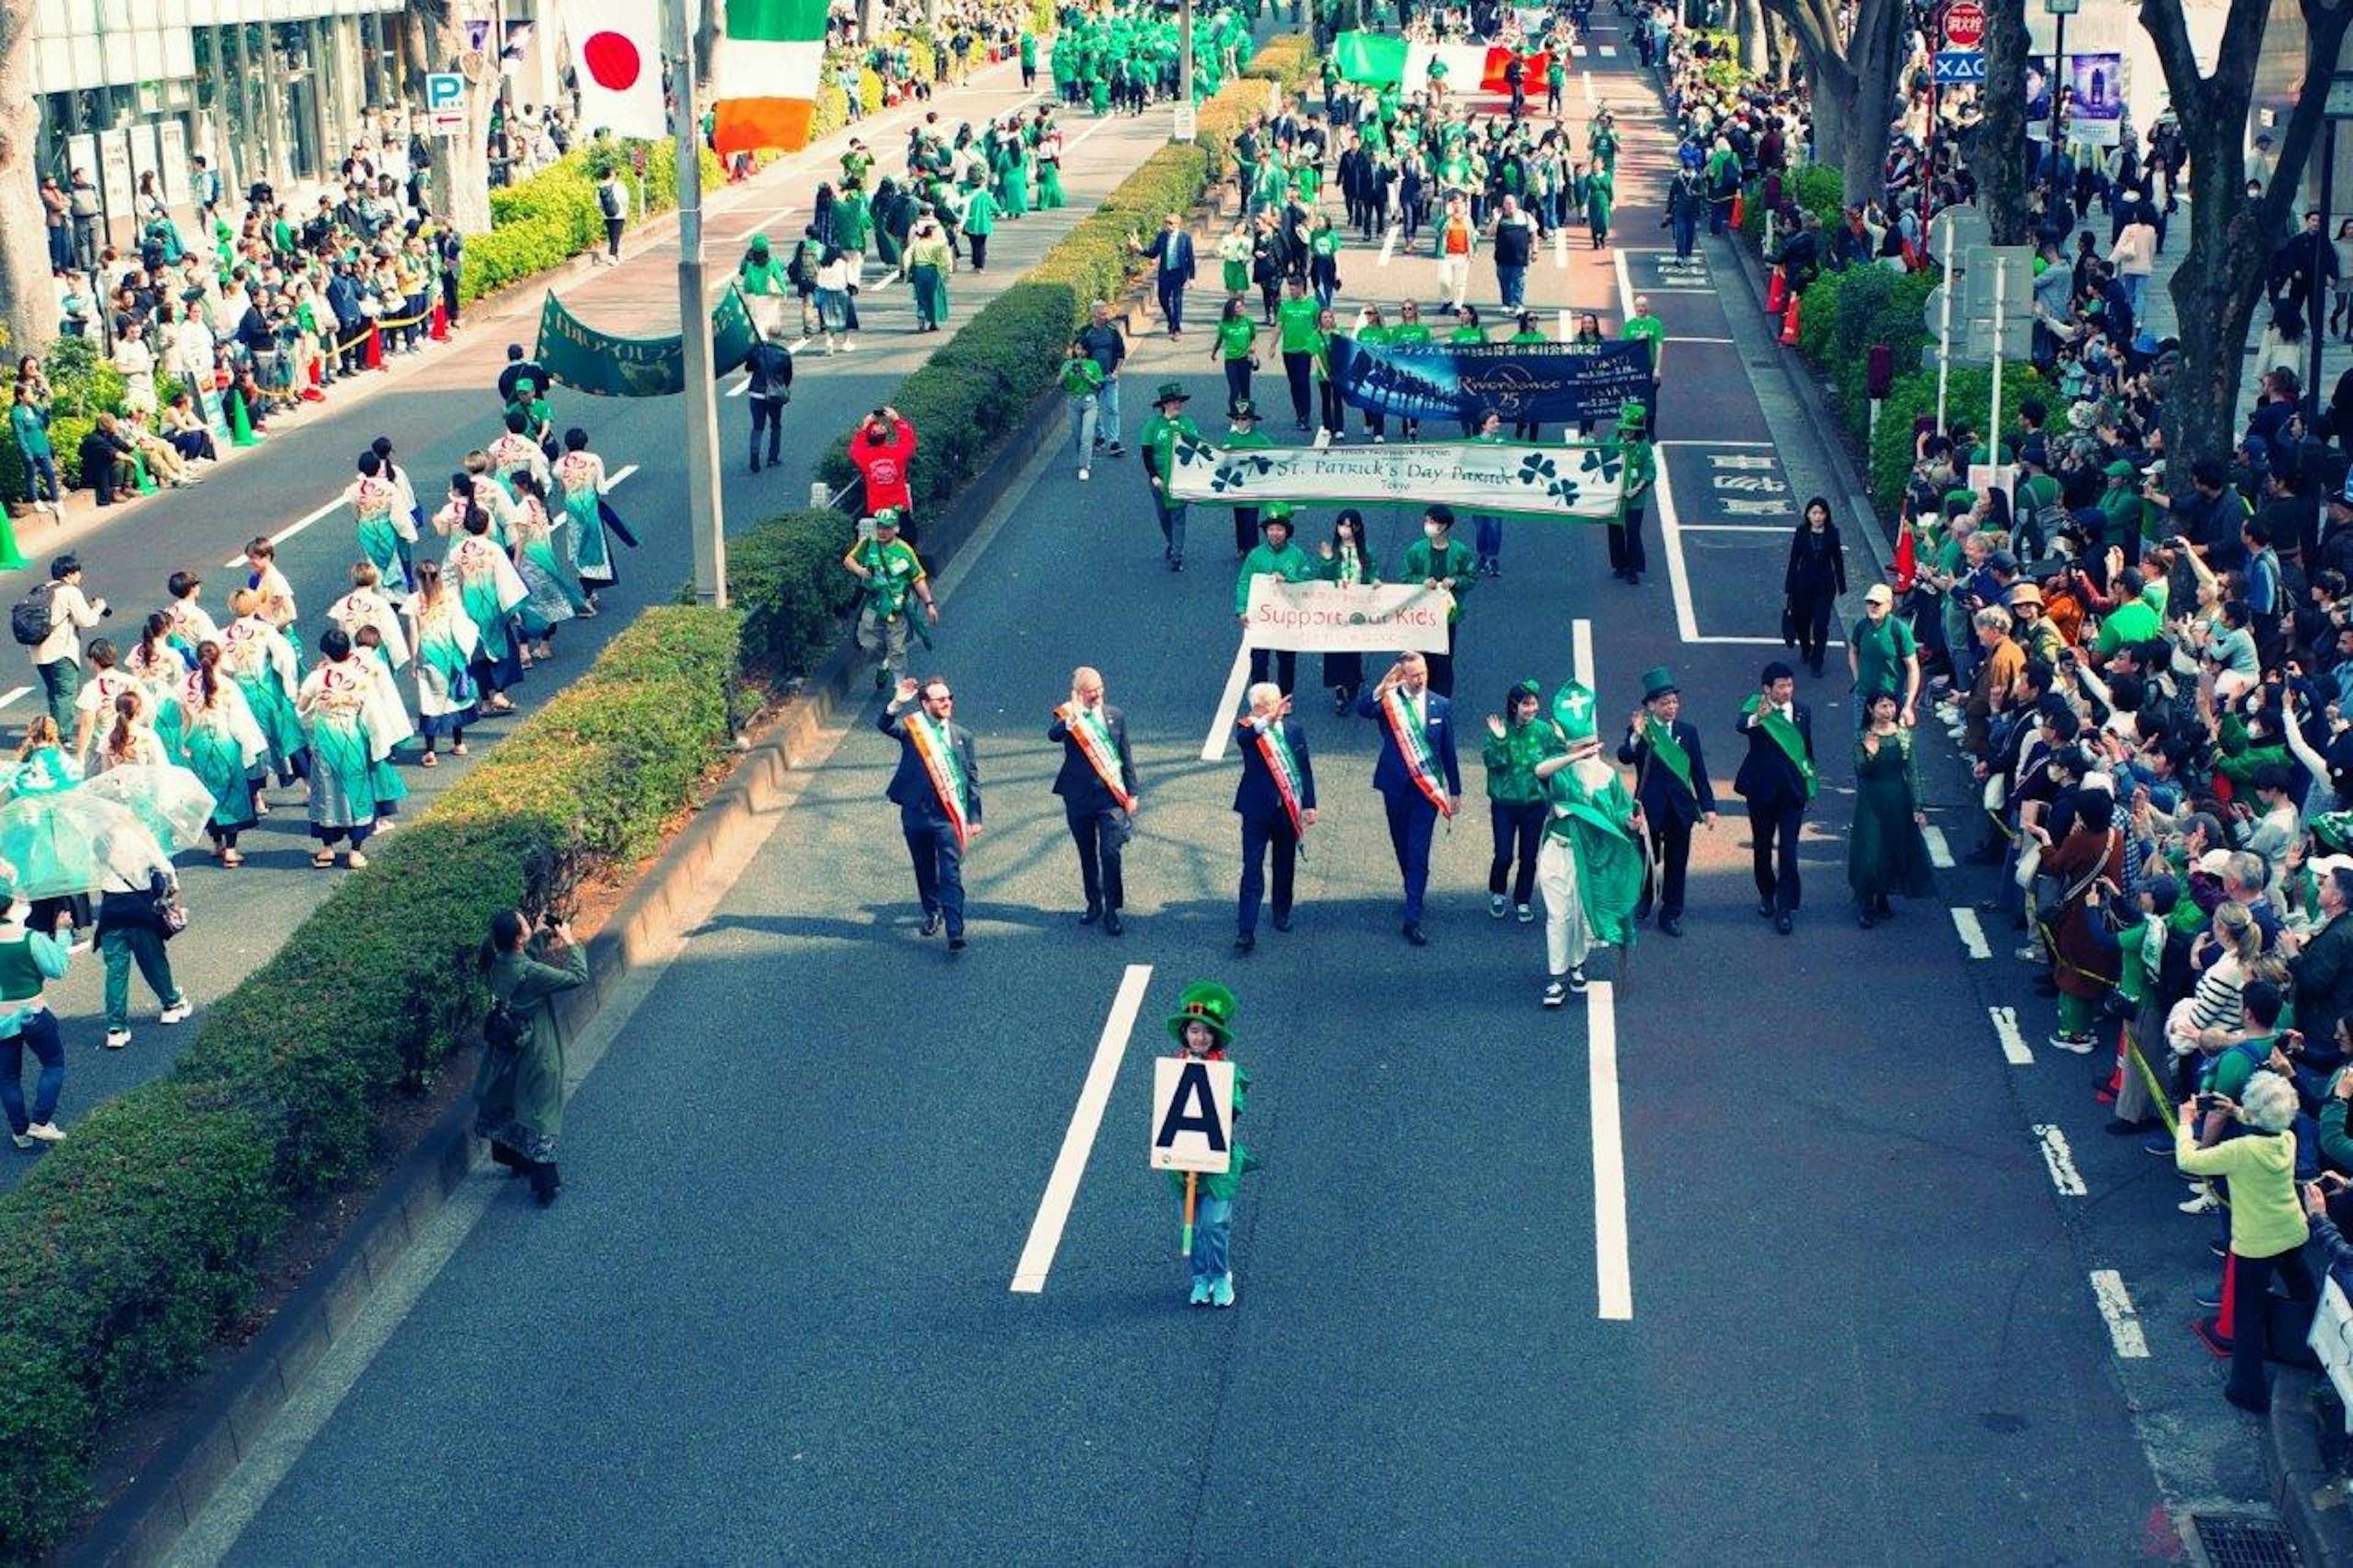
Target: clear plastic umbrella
pixel 70 842
pixel 171 800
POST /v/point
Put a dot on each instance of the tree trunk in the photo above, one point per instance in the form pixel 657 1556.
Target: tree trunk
pixel 869 20
pixel 28 302
pixel 2221 278
pixel 1749 31
pixel 706 46
pixel 1875 53
pixel 2001 133
pixel 461 162
pixel 1777 49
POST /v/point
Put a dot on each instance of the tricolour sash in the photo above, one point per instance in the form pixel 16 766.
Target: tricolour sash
pixel 1413 745
pixel 1282 766
pixel 1085 727
pixel 937 753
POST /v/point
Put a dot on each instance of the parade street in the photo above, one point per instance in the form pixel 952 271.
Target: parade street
pixel 436 410
pixel 1749 1253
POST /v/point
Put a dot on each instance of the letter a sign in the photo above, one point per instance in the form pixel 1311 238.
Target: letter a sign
pixel 1192 1115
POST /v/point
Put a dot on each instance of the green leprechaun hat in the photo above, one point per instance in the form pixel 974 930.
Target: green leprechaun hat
pixel 1204 1002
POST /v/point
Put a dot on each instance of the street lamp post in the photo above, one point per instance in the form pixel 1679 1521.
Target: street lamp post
pixel 704 517
pixel 2338 108
pixel 2059 10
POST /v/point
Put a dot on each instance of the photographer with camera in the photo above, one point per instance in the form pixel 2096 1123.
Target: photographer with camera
pixel 2249 1143
pixel 51 621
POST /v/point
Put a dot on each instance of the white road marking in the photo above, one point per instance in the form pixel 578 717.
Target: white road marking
pixel 1075 143
pixel 1940 854
pixel 1714 641
pixel 1699 341
pixel 613 479
pixel 1671 533
pixel 1778 529
pixel 1614 1270
pixel 2060 1160
pixel 744 384
pixel 1687 441
pixel 1222 725
pixel 1388 244
pixel 292 528
pixel 2013 1040
pixel 1973 936
pixel 1560 248
pixel 1625 287
pixel 2116 1306
pixel 1580 652
pixel 1079 1140
pixel 11 698
pixel 1586 80
pixel 1608 51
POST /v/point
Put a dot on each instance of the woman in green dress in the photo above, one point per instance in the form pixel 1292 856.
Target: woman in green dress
pixel 1885 851
pixel 1234 253
pixel 1049 165
pixel 1013 175
pixel 1597 189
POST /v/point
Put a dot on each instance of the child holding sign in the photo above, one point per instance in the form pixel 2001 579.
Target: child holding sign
pixel 1202 1027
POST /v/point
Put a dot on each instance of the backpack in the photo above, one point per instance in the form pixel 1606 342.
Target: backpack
pixel 797 271
pixel 33 616
pixel 503 1029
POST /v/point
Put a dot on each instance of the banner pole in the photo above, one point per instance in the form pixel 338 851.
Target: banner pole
pixel 1191 1178
pixel 705 516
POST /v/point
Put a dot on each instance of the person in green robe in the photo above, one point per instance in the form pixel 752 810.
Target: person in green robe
pixel 1885 851
pixel 980 221
pixel 1590 867
pixel 1049 165
pixel 519 1088
pixel 1597 190
pixel 1013 176
pixel 930 259
pixel 853 228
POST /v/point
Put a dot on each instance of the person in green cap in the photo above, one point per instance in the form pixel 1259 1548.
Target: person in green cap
pixel 1517 740
pixel 1203 1028
pixel 1279 557
pixel 2128 518
pixel 1672 787
pixel 1627 559
pixel 889 572
pixel 1159 441
pixel 1591 866
pixel 762 281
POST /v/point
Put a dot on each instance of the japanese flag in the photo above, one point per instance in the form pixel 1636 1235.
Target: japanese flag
pixel 617 54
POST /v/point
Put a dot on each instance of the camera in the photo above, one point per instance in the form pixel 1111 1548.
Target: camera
pixel 2209 1101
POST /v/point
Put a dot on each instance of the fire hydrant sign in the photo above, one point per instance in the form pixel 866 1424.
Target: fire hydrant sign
pixel 1192 1115
pixel 1965 25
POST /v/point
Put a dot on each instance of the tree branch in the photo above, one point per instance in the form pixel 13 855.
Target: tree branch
pixel 2168 30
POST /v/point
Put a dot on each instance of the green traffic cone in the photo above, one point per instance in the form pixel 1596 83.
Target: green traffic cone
pixel 241 427
pixel 10 556
pixel 146 480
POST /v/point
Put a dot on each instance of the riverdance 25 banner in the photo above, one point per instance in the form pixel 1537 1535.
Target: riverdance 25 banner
pixel 579 356
pixel 1363 618
pixel 1534 384
pixel 1569 483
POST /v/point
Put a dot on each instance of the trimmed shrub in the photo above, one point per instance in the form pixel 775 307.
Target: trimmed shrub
pixel 1969 392
pixel 546 220
pixel 786 573
pixel 133 1246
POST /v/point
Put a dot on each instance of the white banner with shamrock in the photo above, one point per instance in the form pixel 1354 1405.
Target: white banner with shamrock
pixel 1360 617
pixel 1571 483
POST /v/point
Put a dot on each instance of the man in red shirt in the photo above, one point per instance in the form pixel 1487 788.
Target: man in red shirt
pixel 883 448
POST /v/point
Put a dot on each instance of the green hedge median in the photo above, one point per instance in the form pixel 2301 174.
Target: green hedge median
pixel 135 1242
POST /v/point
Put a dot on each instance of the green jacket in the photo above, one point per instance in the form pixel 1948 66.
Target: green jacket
pixel 2267 1218
pixel 519 1091
pixel 1512 758
pixel 1422 563
pixel 1291 563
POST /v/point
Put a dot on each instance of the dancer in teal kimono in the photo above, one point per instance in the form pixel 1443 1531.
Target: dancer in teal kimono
pixel 491 591
pixel 350 787
pixel 550 598
pixel 385 529
pixel 445 642
pixel 580 478
pixel 226 748
pixel 262 661
pixel 156 663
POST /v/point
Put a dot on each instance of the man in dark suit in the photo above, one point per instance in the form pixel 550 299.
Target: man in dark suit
pixel 1671 785
pixel 1415 775
pixel 1172 247
pixel 937 791
pixel 1098 787
pixel 1276 801
pixel 1776 779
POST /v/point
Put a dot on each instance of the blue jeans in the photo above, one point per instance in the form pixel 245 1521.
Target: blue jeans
pixel 2135 290
pixel 1491 540
pixel 40 1032
pixel 61 684
pixel 41 477
pixel 1083 426
pixel 1512 281
pixel 1107 411
pixel 1213 1220
pixel 1686 235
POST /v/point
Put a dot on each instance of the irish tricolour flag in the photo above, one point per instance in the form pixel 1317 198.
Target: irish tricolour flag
pixel 767 75
pixel 1382 59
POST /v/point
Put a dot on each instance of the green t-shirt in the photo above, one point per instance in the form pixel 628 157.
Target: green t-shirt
pixel 2134 621
pixel 1406 335
pixel 1880 651
pixel 1160 440
pixel 1236 337
pixel 1082 377
pixel 1466 335
pixel 1649 330
pixel 1296 321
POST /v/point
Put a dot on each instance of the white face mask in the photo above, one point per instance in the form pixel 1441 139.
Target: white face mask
pixel 1431 531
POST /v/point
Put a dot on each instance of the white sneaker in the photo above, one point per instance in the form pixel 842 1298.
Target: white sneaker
pixel 848 345
pixel 1083 476
pixel 1554 993
pixel 2204 1203
pixel 1527 914
pixel 46 1132
pixel 1576 980
pixel 2030 952
pixel 177 1011
pixel 25 1141
pixel 1323 439
pixel 1496 905
pixel 116 1038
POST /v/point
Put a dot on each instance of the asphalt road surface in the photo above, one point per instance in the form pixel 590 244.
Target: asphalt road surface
pixel 1754 1255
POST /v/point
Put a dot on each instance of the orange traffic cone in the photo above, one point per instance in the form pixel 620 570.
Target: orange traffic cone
pixel 1776 292
pixel 1789 321
pixel 1739 207
pixel 2216 1332
pixel 439 331
pixel 372 358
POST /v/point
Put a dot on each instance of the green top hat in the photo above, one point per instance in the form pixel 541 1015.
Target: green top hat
pixel 1573 710
pixel 1170 392
pixel 1205 1002
pixel 1276 511
pixel 1632 417
pixel 2333 831
pixel 1658 681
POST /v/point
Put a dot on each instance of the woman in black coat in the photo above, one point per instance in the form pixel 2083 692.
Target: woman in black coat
pixel 1815 579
